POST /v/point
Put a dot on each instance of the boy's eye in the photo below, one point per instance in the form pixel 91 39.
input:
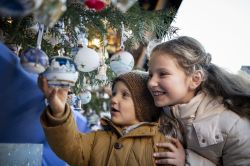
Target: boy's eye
pixel 150 75
pixel 162 74
pixel 126 94
pixel 113 93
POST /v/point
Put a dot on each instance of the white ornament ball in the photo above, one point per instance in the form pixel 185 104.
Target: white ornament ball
pixel 87 59
pixel 85 97
pixel 34 60
pixel 122 62
pixel 61 72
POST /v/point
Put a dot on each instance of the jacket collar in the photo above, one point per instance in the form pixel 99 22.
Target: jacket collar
pixel 143 129
pixel 201 103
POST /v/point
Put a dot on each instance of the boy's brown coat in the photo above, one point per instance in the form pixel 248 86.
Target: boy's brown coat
pixel 101 148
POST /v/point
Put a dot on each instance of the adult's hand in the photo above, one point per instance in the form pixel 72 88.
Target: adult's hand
pixel 174 154
pixel 57 97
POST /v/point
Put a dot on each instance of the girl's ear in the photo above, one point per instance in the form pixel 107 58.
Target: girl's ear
pixel 196 79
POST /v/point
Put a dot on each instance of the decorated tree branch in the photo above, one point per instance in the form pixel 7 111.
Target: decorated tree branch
pixel 118 27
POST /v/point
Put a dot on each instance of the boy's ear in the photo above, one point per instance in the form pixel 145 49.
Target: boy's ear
pixel 196 79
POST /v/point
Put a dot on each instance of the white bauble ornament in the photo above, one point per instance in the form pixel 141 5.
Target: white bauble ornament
pixel 85 96
pixel 61 72
pixel 122 62
pixel 87 59
pixel 34 60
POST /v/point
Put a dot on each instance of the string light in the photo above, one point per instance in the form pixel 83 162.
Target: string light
pixel 9 20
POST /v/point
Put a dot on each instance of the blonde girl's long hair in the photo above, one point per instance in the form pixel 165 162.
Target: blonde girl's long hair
pixel 191 56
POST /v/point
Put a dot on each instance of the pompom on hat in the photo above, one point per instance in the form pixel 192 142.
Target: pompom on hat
pixel 136 81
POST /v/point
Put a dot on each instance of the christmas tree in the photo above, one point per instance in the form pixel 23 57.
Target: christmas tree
pixel 133 24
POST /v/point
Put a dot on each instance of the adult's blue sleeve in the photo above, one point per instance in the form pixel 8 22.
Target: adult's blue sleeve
pixel 21 104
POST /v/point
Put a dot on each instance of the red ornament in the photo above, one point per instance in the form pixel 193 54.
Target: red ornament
pixel 98 5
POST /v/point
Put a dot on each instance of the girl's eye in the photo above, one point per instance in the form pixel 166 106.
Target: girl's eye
pixel 162 74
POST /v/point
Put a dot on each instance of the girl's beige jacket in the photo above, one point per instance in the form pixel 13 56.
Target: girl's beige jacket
pixel 215 135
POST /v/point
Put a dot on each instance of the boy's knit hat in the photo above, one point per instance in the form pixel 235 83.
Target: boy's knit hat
pixel 136 81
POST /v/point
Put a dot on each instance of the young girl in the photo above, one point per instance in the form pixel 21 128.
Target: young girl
pixel 213 104
pixel 128 139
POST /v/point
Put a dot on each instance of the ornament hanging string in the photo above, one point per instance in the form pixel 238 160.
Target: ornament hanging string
pixel 39 35
pixel 102 57
pixel 39 40
pixel 123 38
pixel 61 51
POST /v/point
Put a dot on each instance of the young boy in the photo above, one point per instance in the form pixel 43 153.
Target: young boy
pixel 127 139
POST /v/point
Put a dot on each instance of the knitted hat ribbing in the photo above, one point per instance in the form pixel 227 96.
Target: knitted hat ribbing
pixel 136 81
